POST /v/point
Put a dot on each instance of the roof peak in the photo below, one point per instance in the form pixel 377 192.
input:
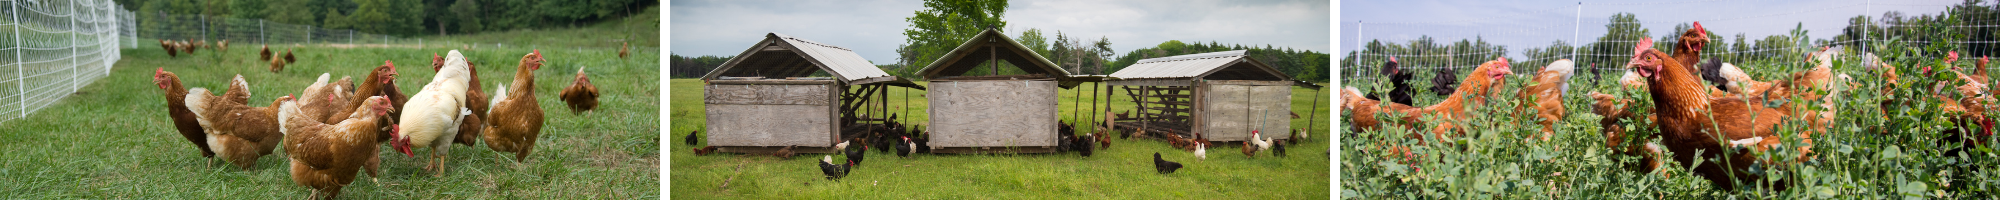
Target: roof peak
pixel 1219 54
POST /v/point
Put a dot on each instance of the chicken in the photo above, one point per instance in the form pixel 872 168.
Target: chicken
pixel 624 50
pixel 1262 143
pixel 580 95
pixel 1249 150
pixel 222 46
pixel 1547 93
pixel 1473 93
pixel 517 119
pixel 704 151
pixel 475 99
pixel 905 148
pixel 1278 147
pixel 265 54
pixel 379 79
pixel 1084 144
pixel 1362 111
pixel 237 132
pixel 1445 82
pixel 1688 49
pixel 177 108
pixel 169 46
pixel 856 155
pixel 1103 140
pixel 842 146
pixel 432 117
pixel 785 153
pixel 185 47
pixel 277 65
pixel 321 99
pixel 290 59
pixel 1691 121
pixel 691 140
pixel 1164 166
pixel 1200 151
pixel 832 171
pixel 1399 82
pixel 325 157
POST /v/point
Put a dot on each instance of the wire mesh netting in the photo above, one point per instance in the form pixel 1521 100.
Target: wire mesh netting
pixel 54 47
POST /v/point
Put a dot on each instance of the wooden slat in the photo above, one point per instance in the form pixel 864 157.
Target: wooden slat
pixel 767 151
pixel 770 82
pixel 967 150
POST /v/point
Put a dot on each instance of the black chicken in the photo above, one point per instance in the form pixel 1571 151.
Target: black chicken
pixel 856 154
pixel 883 142
pixel 1084 144
pixel 923 144
pixel 832 171
pixel 1445 82
pixel 1711 71
pixel 907 147
pixel 691 139
pixel 1278 148
pixel 1399 80
pixel 1164 166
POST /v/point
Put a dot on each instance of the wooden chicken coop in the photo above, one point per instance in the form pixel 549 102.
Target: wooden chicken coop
pixel 787 91
pixel 1222 95
pixel 990 112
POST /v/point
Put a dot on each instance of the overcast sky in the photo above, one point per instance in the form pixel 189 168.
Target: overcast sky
pixel 873 28
pixel 1534 23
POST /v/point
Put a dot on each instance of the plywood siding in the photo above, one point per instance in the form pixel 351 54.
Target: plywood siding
pixel 992 113
pixel 1232 111
pixel 770 115
pixel 768 94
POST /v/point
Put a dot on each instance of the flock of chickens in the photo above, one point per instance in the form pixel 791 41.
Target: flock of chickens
pixel 1701 111
pixel 332 129
pixel 906 141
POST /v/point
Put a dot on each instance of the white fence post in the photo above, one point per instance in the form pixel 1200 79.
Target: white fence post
pixel 1577 33
pixel 72 46
pixel 20 75
pixel 260 32
pixel 309 34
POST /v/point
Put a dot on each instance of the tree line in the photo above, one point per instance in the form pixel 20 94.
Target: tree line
pixel 400 17
pixel 1939 33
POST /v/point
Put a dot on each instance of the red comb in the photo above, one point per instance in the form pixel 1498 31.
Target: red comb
pixel 1644 43
pixel 1392 59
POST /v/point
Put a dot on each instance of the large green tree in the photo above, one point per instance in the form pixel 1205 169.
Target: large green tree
pixel 944 24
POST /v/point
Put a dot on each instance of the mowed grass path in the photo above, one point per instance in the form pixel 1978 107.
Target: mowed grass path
pixel 1123 172
pixel 113 139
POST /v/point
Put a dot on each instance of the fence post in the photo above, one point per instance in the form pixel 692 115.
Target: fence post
pixel 72 46
pixel 204 28
pixel 1576 33
pixel 1358 26
pixel 309 34
pixel 260 33
pixel 1868 10
pixel 20 75
pixel 350 36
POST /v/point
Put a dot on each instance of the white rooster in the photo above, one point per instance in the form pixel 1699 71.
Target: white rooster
pixel 432 115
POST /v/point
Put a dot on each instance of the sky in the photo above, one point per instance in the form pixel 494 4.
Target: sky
pixel 1535 23
pixel 873 28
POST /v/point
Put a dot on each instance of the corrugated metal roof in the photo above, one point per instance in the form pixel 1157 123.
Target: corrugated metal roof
pixel 840 62
pixel 1183 66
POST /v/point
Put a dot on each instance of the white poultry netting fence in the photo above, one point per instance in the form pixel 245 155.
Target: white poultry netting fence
pixel 250 32
pixel 1740 32
pixel 52 48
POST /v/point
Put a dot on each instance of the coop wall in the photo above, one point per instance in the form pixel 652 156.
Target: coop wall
pixel 771 115
pixel 992 113
pixel 1229 111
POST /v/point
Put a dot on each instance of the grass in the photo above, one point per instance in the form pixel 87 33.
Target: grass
pixel 113 139
pixel 1854 160
pixel 1123 172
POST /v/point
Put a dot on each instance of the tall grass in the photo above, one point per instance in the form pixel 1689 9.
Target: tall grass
pixel 1866 153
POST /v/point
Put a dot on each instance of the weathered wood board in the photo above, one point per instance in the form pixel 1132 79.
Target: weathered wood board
pixel 770 115
pixel 1232 111
pixel 995 113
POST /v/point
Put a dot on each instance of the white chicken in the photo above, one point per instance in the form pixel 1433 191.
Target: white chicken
pixel 432 116
pixel 1200 151
pixel 1257 139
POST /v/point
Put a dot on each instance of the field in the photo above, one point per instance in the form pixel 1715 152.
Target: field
pixel 1123 172
pixel 113 139
pixel 1869 151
